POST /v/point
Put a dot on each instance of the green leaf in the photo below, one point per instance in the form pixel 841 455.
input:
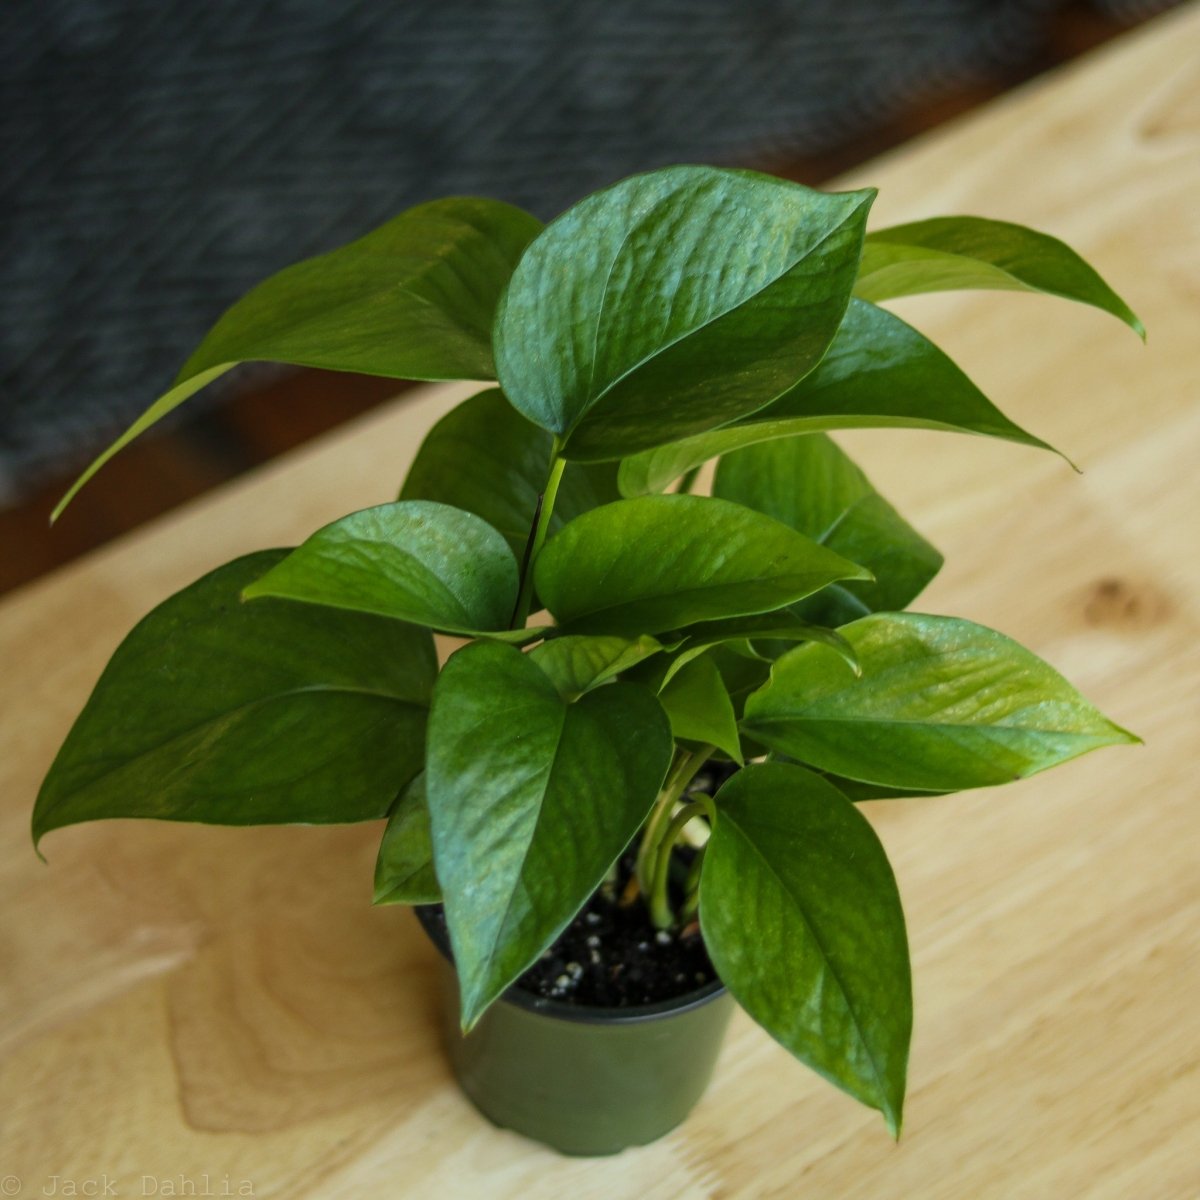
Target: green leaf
pixel 412 560
pixel 880 373
pixel 242 714
pixel 485 458
pixel 812 485
pixel 946 253
pixel 531 800
pixel 783 626
pixel 802 919
pixel 699 708
pixel 942 704
pixel 414 299
pixel 576 664
pixel 404 869
pixel 742 676
pixel 673 302
pixel 663 562
pixel 857 791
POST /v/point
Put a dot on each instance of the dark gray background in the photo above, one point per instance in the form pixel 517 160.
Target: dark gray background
pixel 161 156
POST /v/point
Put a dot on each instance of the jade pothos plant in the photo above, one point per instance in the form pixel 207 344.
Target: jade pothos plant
pixel 679 316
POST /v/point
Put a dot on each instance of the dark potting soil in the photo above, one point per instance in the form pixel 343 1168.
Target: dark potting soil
pixel 611 955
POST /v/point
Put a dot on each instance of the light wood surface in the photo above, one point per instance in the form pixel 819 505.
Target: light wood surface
pixel 180 1004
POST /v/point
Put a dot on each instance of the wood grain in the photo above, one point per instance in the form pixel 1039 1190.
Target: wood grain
pixel 180 1002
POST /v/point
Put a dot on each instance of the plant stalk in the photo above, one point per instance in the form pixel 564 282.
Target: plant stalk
pixel 683 771
pixel 660 906
pixel 537 539
pixel 691 888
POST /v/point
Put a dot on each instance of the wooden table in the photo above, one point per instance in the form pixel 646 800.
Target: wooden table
pixel 210 1006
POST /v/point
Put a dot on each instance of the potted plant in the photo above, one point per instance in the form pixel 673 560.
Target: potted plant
pixel 645 793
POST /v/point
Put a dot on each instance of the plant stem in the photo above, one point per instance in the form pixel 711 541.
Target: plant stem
pixel 537 539
pixel 691 888
pixel 687 481
pixel 683 770
pixel 660 907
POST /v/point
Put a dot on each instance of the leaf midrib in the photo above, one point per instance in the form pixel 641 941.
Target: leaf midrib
pixel 593 400
pixel 274 697
pixel 833 971
pixel 932 725
pixel 880 239
pixel 406 287
pixel 734 585
pixel 424 573
pixel 547 777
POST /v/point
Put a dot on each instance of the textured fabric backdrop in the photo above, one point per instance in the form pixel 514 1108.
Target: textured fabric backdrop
pixel 161 156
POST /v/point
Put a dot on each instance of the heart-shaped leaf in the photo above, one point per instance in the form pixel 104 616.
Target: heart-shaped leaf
pixel 942 704
pixel 812 485
pixel 412 560
pixel 404 868
pixel 242 714
pixel 673 302
pixel 947 253
pixel 879 373
pixel 576 664
pixel 802 919
pixel 699 708
pixel 485 458
pixel 664 562
pixel 531 801
pixel 414 299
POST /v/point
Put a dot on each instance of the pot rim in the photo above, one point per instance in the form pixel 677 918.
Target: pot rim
pixel 584 1014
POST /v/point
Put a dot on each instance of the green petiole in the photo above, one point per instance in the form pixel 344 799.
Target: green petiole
pixel 660 907
pixel 537 539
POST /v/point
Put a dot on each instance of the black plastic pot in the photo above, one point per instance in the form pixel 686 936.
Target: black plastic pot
pixel 585 1081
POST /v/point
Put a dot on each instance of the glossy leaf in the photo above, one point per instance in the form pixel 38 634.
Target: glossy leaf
pixel 242 714
pixel 802 919
pixel 664 562
pixel 947 253
pixel 404 871
pixel 942 704
pixel 485 458
pixel 414 299
pixel 576 664
pixel 673 302
pixel 879 373
pixel 812 485
pixel 412 560
pixel 531 800
pixel 699 708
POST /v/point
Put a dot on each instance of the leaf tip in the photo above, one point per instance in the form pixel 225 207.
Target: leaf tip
pixel 470 1018
pixel 36 834
pixel 473 1001
pixel 1039 444
pixel 894 1121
